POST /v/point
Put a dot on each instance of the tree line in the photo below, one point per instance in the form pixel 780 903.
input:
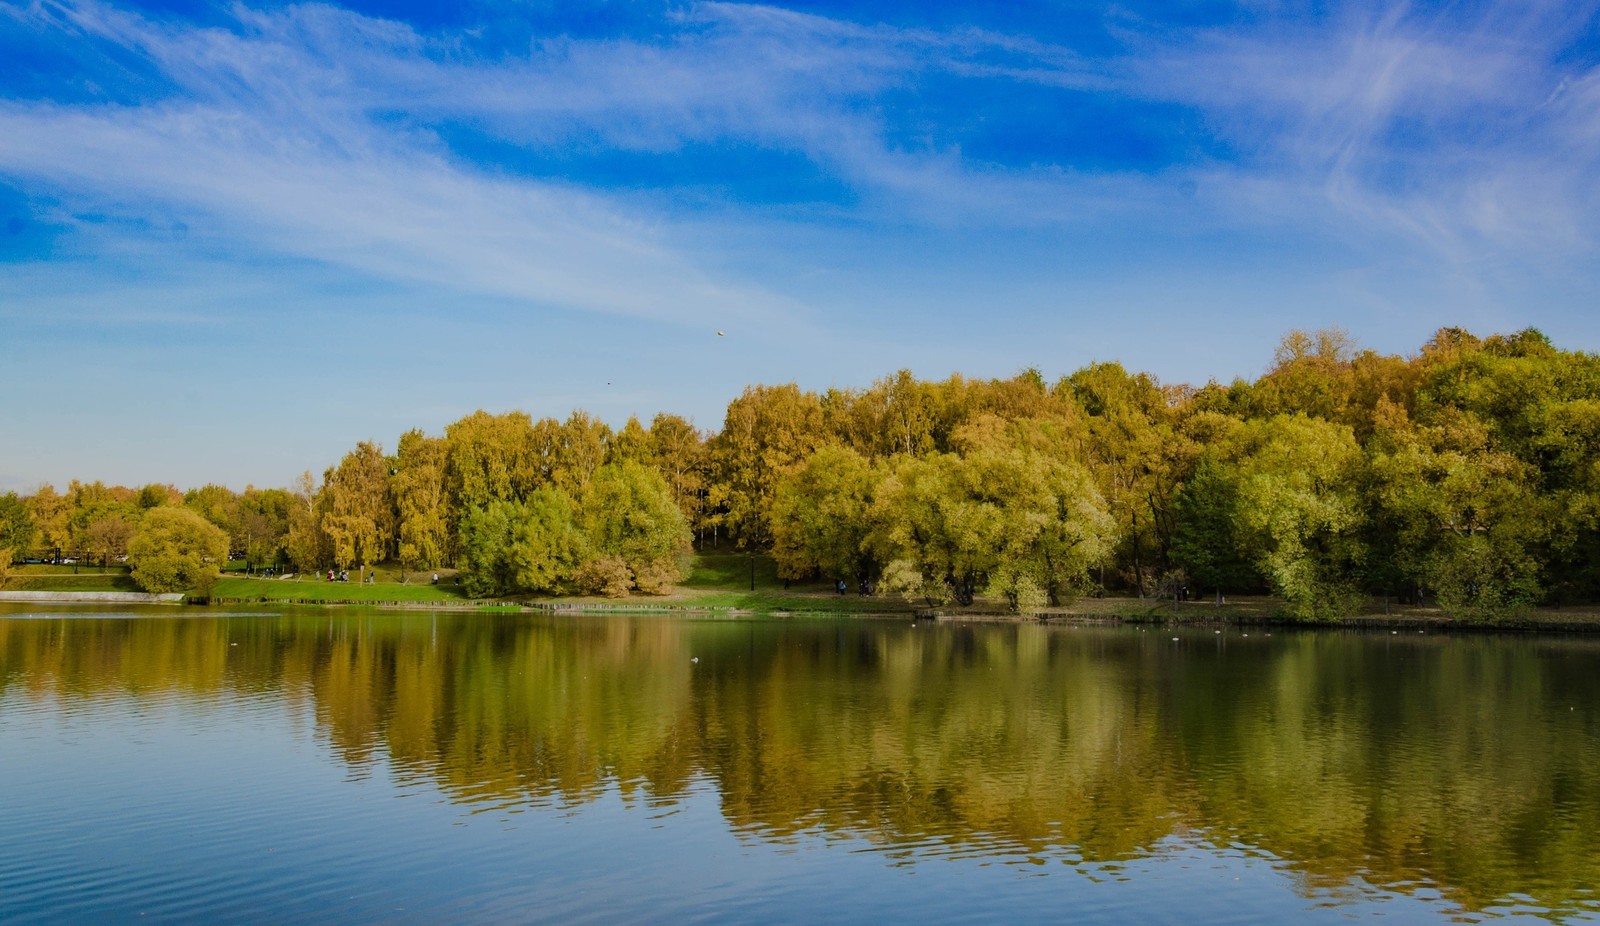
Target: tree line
pixel 1467 474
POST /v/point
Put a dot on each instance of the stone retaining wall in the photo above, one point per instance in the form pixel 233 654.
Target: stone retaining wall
pixel 115 597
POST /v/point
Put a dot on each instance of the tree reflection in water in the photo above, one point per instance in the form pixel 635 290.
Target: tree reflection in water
pixel 1459 764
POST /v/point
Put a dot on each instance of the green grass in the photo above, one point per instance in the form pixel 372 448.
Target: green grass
pixel 322 590
pixel 83 582
pixel 115 569
pixel 722 581
pixel 731 571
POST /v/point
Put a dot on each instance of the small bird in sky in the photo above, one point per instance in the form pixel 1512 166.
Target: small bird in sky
pixel 719 334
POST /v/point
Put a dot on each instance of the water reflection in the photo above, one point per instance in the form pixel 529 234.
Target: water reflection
pixel 1399 763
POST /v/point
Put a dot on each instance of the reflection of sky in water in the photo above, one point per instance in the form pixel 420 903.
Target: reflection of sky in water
pixel 230 802
pixel 230 810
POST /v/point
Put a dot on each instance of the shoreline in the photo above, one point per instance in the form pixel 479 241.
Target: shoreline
pixel 1133 611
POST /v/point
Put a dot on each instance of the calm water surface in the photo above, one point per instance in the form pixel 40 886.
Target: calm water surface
pixel 313 766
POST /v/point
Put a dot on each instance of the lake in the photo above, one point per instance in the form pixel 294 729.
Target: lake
pixel 341 766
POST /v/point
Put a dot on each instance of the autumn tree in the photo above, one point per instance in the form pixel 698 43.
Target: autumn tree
pixel 422 505
pixel 574 450
pixel 491 457
pixel 631 443
pixel 678 452
pixel 175 549
pixel 306 543
pixel 768 430
pixel 1311 375
pixel 52 517
pixel 109 531
pixel 359 520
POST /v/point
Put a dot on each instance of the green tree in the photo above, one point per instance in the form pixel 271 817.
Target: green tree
pixel 936 543
pixel 547 546
pixel 821 517
pixel 1005 520
pixel 488 536
pixel 261 533
pixel 156 495
pixel 514 547
pixel 1299 510
pixel 17 529
pixel 176 550
pixel 1138 458
pixel 217 504
pixel 1206 542
pixel 628 512
pixel 1470 518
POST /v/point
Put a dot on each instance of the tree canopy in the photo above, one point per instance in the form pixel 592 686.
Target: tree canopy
pixel 1466 474
pixel 176 550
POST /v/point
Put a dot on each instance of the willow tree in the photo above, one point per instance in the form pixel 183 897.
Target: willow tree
pixel 176 550
pixel 628 515
pixel 1300 510
pixel 1006 521
pixel 1470 518
pixel 822 517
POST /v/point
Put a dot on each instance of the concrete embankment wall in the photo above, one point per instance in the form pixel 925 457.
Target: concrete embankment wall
pixel 90 597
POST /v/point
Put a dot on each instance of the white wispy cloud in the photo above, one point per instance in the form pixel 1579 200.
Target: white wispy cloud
pixel 321 132
pixel 275 142
pixel 1438 128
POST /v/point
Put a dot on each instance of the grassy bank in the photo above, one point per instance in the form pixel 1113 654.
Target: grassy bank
pixel 722 581
pixel 87 582
pixel 314 590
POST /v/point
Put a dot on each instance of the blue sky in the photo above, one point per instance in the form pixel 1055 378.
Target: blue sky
pixel 237 238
